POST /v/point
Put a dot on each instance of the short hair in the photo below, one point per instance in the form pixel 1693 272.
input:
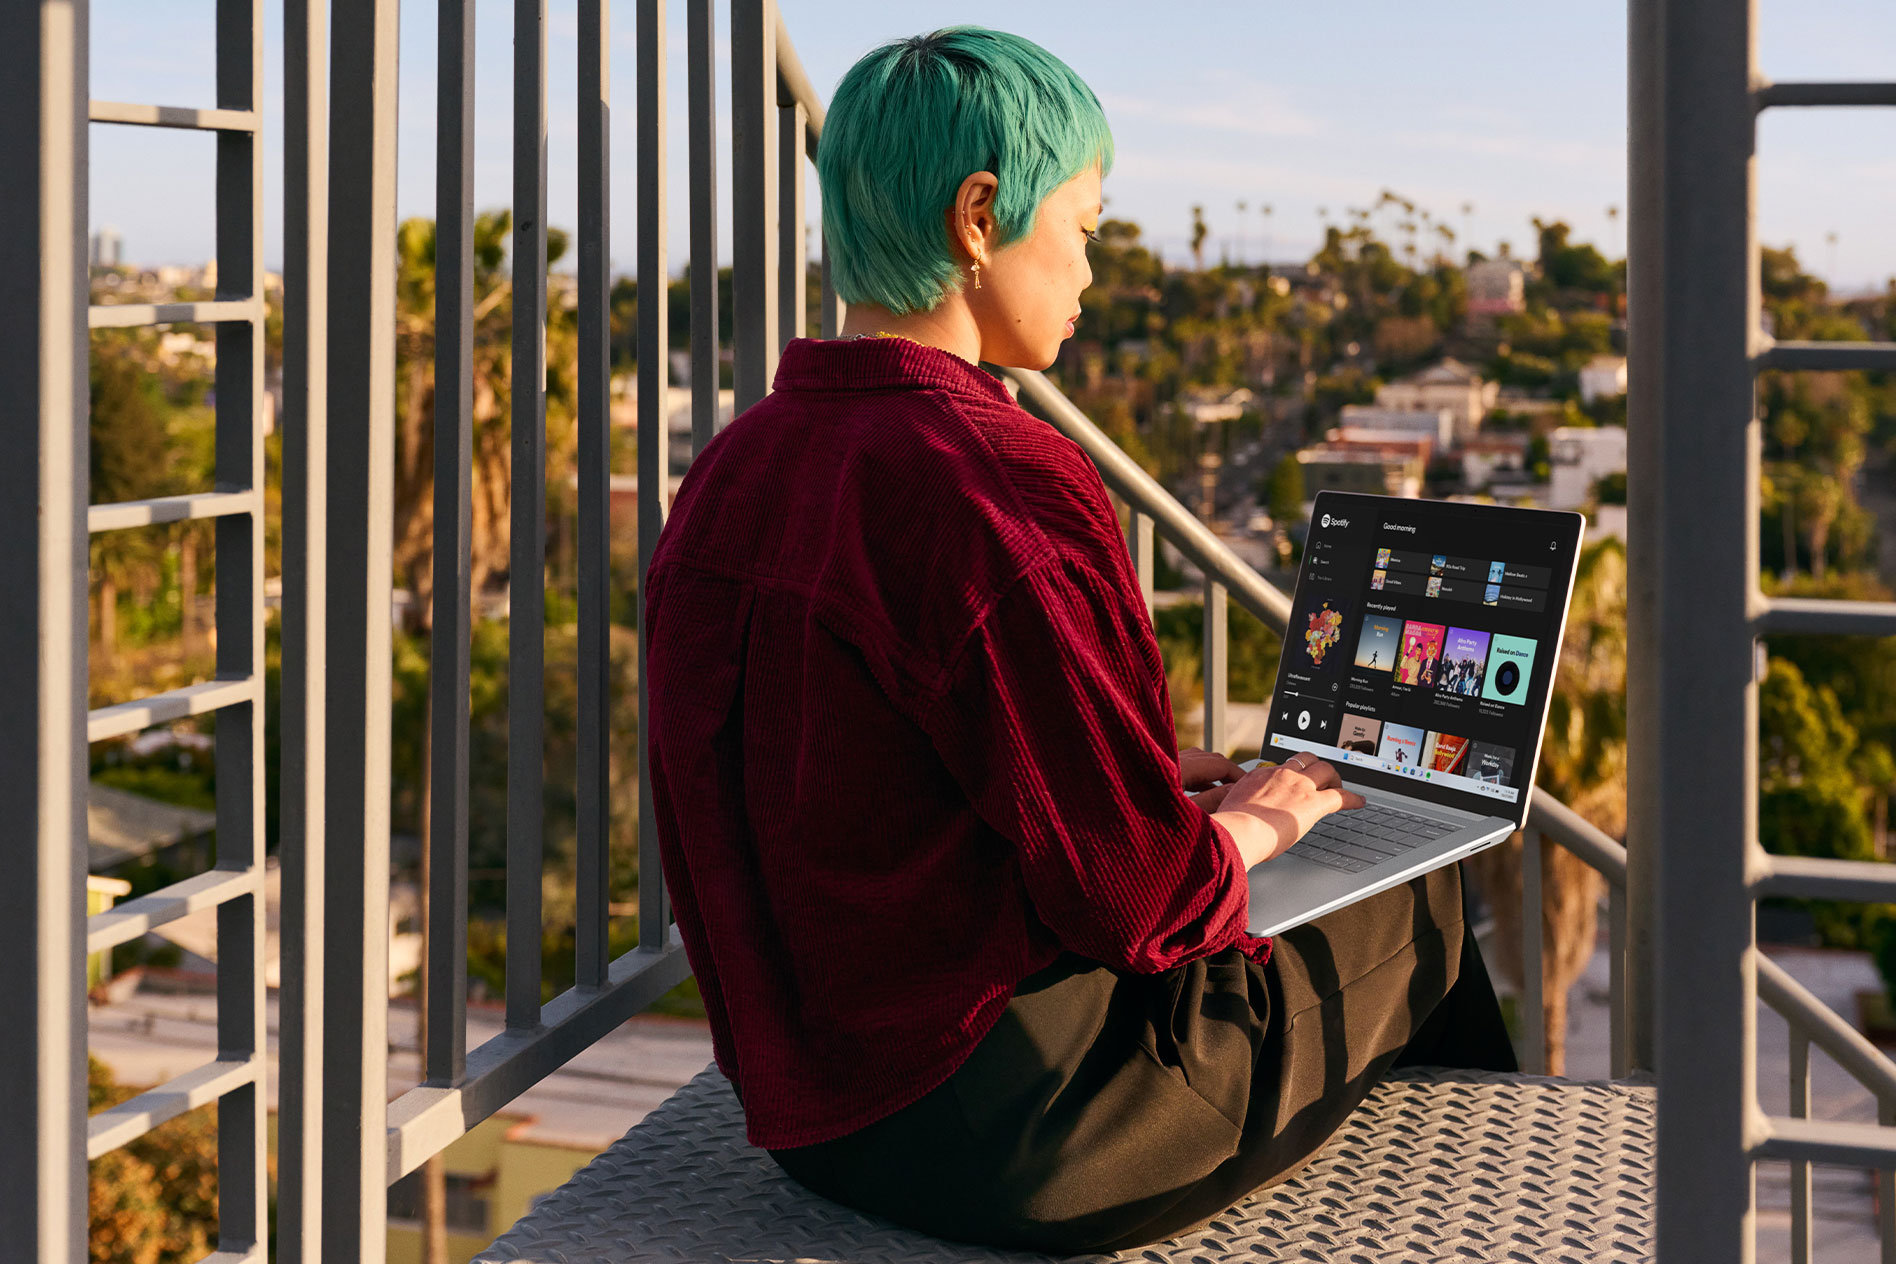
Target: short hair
pixel 914 118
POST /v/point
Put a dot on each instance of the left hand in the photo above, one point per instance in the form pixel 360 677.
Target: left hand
pixel 1201 770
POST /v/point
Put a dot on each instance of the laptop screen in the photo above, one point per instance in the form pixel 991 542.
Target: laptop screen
pixel 1423 640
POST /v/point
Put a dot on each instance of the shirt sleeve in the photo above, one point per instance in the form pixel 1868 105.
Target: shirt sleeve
pixel 1051 724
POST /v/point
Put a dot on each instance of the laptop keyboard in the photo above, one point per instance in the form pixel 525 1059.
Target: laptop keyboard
pixel 1353 841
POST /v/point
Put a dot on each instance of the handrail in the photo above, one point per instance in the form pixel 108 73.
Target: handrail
pixel 1868 1065
pixel 794 86
pixel 1140 490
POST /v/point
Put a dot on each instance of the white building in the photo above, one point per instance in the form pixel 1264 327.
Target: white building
pixel 1450 385
pixel 1207 405
pixel 1497 287
pixel 1436 424
pixel 1489 455
pixel 108 248
pixel 1603 378
pixel 1581 456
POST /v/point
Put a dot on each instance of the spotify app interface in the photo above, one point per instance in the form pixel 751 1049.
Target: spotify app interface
pixel 1422 643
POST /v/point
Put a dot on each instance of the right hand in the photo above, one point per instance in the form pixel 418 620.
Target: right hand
pixel 1274 805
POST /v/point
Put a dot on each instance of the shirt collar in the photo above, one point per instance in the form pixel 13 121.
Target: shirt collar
pixel 845 364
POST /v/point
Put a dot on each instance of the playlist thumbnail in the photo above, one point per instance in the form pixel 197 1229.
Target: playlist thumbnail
pixel 1358 734
pixel 1376 647
pixel 1490 762
pixel 1322 628
pixel 1401 745
pixel 1510 664
pixel 1464 662
pixel 1435 586
pixel 1491 596
pixel 1445 752
pixel 1377 579
pixel 1495 571
pixel 1437 562
pixel 1421 650
pixel 1382 559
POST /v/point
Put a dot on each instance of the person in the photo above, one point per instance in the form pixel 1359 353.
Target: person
pixel 970 929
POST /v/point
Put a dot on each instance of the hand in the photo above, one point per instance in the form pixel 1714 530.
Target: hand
pixel 1273 806
pixel 1200 770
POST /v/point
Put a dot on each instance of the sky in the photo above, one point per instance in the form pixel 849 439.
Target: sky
pixel 1511 109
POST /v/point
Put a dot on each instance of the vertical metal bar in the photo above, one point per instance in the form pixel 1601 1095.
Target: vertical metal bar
pixel 831 316
pixel 1701 744
pixel 1619 1042
pixel 1141 545
pixel 1217 619
pixel 239 589
pixel 449 643
pixel 1533 1002
pixel 595 385
pixel 305 472
pixel 655 416
pixel 355 683
pixel 526 585
pixel 753 199
pixel 1886 1190
pixel 701 95
pixel 43 378
pixel 793 285
pixel 1800 1168
pixel 1646 295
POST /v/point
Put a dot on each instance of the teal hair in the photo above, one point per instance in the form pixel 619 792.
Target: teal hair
pixel 913 119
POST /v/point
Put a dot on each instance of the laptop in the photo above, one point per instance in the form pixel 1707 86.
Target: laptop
pixel 1419 661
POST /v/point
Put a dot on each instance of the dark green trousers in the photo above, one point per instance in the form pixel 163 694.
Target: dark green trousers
pixel 1109 1110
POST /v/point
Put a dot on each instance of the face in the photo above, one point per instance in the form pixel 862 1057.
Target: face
pixel 1030 288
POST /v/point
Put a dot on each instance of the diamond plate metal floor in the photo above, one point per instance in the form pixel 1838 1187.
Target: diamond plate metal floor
pixel 1447 1165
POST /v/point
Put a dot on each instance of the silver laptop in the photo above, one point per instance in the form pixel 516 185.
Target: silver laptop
pixel 1420 658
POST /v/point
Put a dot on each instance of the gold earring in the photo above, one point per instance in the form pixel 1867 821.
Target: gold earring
pixel 977 274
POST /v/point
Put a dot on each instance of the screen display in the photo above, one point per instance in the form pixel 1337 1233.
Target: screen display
pixel 1422 644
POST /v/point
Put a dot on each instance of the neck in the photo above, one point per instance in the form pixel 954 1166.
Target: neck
pixel 950 326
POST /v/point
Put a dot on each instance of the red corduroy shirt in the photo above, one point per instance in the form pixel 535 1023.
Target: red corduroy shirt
pixel 909 734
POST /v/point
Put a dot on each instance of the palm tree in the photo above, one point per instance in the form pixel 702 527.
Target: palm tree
pixel 493 360
pixel 1199 233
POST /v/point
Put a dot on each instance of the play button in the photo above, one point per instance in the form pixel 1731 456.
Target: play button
pixel 1303 719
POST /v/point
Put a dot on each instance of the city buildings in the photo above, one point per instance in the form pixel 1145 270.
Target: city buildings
pixel 1449 385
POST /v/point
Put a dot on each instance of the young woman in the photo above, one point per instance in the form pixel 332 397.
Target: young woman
pixel 970 930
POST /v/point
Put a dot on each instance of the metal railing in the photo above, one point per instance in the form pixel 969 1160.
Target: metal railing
pixel 45 935
pixel 342 1142
pixel 1696 613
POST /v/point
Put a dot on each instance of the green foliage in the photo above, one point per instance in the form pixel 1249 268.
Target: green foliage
pixel 1810 801
pixel 487 753
pixel 1285 493
pixel 153 1200
pixel 1567 266
pixel 1251 651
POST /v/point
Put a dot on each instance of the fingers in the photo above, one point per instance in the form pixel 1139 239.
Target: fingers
pixel 1199 769
pixel 1322 775
pixel 1210 799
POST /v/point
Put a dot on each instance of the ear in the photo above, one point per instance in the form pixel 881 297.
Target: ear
pixel 971 223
